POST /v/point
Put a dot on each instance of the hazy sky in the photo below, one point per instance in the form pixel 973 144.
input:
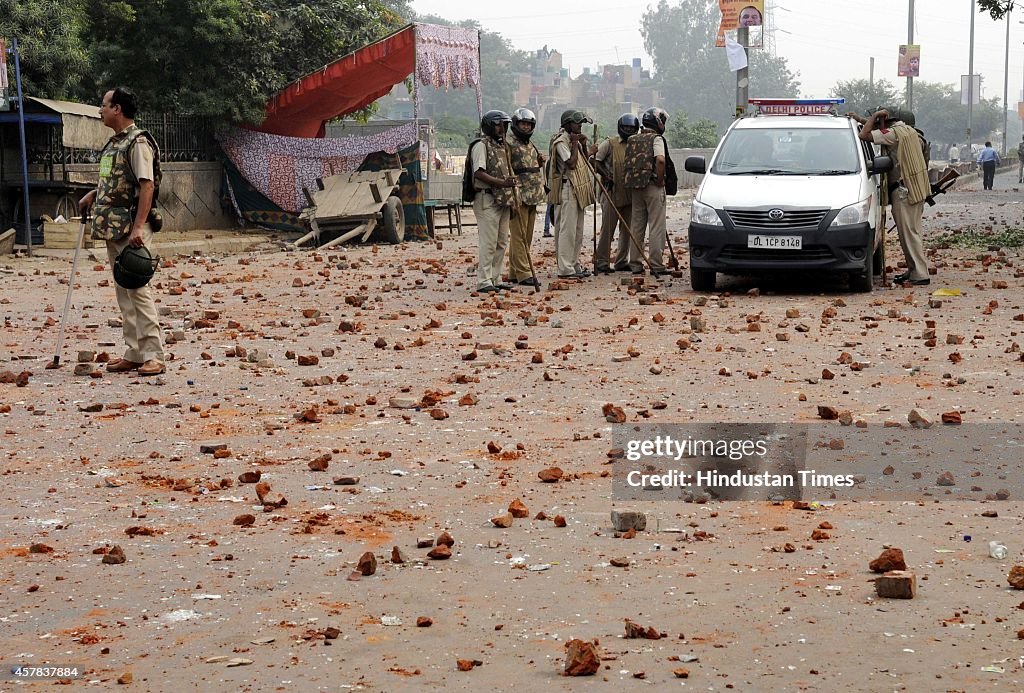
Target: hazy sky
pixel 822 41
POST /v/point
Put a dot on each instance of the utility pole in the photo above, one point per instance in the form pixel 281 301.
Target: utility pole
pixel 910 42
pixel 24 154
pixel 743 76
pixel 970 87
pixel 871 75
pixel 1006 76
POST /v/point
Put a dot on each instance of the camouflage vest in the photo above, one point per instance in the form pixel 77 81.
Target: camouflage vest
pixel 639 160
pixel 117 193
pixel 497 166
pixel 526 165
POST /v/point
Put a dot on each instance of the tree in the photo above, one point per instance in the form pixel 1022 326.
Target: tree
pixel 694 76
pixel 939 113
pixel 682 134
pixel 864 97
pixel 54 58
pixel 996 8
pixel 224 58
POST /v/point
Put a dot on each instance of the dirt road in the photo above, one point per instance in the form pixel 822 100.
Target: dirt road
pixel 443 407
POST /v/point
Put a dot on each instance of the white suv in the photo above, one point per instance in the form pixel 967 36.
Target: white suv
pixel 788 192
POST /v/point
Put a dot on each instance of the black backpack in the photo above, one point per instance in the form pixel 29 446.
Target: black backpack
pixel 671 177
pixel 468 191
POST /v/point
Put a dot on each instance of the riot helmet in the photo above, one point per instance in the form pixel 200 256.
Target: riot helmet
pixel 523 115
pixel 655 119
pixel 134 267
pixel 574 116
pixel 491 120
pixel 628 125
pixel 899 113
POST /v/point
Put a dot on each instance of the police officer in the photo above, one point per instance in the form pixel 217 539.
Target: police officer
pixel 526 165
pixel 617 208
pixel 128 178
pixel 568 190
pixel 907 184
pixel 495 186
pixel 645 177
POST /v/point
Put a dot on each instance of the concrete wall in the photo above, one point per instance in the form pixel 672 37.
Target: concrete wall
pixel 686 179
pixel 189 194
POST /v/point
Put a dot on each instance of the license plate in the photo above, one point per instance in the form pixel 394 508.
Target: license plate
pixel 775 242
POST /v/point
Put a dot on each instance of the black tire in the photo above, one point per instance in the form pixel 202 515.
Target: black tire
pixel 701 279
pixel 393 220
pixel 864 282
pixel 878 259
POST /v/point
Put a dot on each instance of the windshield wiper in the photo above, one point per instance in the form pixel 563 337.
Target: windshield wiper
pixel 835 172
pixel 760 172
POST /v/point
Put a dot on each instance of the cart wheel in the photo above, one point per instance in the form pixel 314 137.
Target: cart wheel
pixel 67 206
pixel 393 220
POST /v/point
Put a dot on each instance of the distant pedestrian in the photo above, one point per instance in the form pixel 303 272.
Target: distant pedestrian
pixel 988 159
pixel 954 154
pixel 1020 161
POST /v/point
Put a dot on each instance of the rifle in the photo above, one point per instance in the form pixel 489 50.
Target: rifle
pixel 943 184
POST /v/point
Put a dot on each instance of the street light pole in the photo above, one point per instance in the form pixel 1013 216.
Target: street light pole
pixel 743 75
pixel 1006 76
pixel 970 87
pixel 910 42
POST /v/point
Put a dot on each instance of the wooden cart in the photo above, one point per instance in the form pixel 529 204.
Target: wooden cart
pixel 354 204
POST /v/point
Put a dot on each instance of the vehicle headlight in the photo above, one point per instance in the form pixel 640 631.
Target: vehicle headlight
pixel 853 214
pixel 703 214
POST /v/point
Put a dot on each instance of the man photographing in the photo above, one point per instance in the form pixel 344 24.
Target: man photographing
pixel 906 186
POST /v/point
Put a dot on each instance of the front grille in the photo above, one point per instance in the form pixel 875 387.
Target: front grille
pixel 791 220
pixel 739 253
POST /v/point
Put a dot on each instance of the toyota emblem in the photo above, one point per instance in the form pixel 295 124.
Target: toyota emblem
pixel 776 214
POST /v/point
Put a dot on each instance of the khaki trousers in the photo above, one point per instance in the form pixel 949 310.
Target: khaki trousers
pixel 520 224
pixel 908 225
pixel 492 238
pixel 569 232
pixel 648 210
pixel 609 219
pixel 139 318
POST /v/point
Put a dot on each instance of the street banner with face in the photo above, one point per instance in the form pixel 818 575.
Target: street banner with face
pixel 737 13
pixel 909 61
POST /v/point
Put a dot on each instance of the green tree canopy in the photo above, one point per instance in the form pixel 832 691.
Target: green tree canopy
pixel 996 8
pixel 682 133
pixel 53 56
pixel 218 58
pixel 694 76
pixel 864 97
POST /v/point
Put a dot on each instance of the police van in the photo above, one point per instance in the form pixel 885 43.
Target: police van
pixel 790 187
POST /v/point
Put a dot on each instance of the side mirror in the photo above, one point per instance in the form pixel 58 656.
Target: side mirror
pixel 880 164
pixel 695 164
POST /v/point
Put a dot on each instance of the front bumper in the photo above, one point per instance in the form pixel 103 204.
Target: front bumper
pixel 724 248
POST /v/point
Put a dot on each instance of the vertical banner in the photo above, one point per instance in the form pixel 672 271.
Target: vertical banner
pixel 909 64
pixel 3 75
pixel 737 13
pixel 974 87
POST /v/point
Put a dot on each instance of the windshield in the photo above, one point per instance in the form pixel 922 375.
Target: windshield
pixel 778 151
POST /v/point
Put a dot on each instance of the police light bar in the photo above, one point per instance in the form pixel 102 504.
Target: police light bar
pixel 796 106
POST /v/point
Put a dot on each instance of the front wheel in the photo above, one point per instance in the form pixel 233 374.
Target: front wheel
pixel 864 281
pixel 701 279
